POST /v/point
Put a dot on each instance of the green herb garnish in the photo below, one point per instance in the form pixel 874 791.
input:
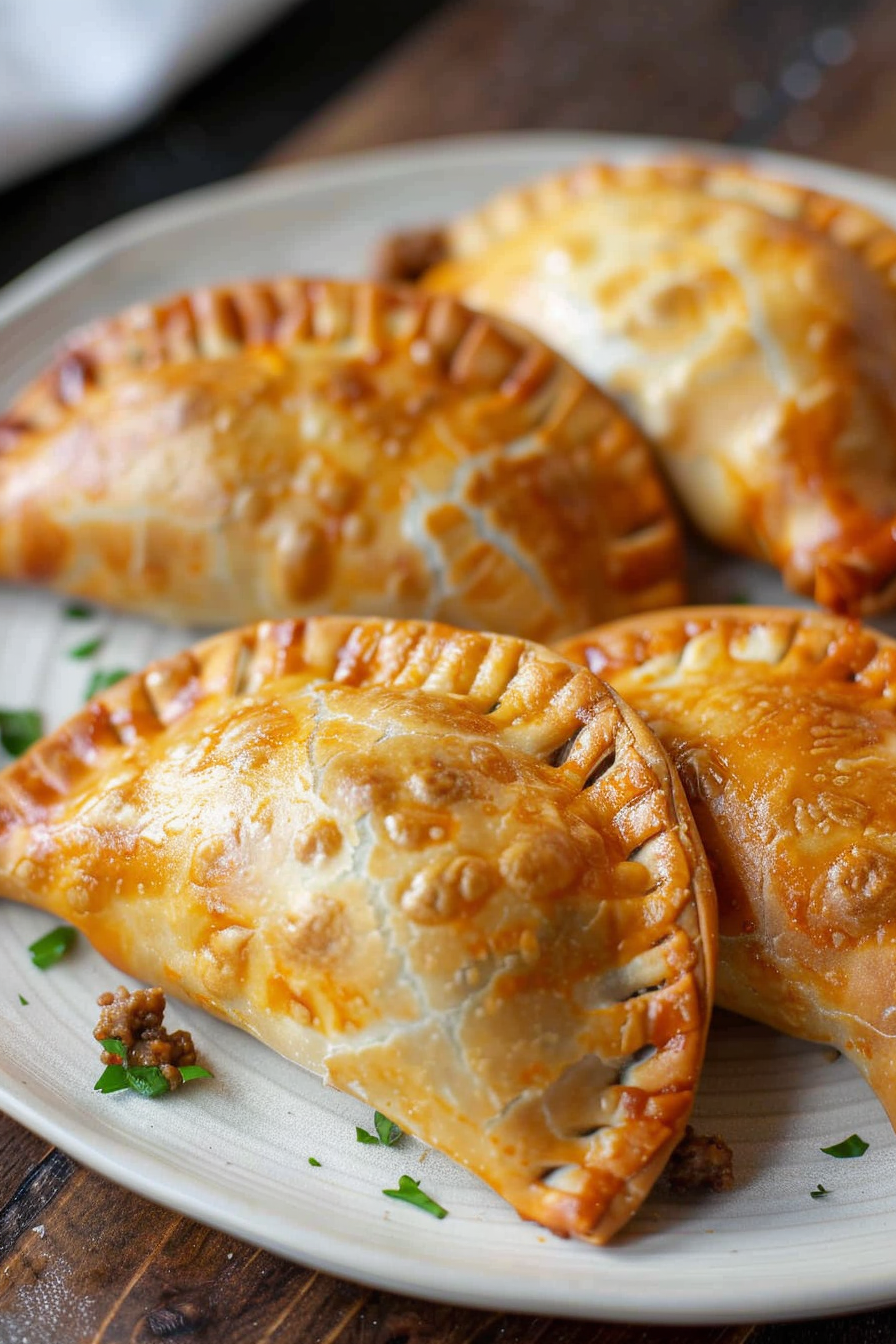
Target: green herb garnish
pixel 147 1079
pixel 78 612
pixel 819 1192
pixel 387 1132
pixel 52 947
pixel 409 1191
pixel 19 729
pixel 87 649
pixel 112 1079
pixel 23 1001
pixel 851 1147
pixel 190 1071
pixel 313 1162
pixel 739 600
pixel 101 681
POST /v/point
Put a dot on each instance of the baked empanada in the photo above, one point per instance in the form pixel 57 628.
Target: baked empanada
pixel 450 872
pixel 783 726
pixel 749 325
pixel 278 449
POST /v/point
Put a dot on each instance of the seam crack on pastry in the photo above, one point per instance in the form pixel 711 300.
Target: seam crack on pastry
pixel 290 447
pixel 782 724
pixel 748 324
pixel 389 851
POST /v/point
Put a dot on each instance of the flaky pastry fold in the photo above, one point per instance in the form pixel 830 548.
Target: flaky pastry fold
pixel 782 724
pixel 750 327
pixel 285 447
pixel 450 872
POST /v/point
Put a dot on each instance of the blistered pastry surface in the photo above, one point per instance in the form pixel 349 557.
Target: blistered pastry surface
pixel 290 447
pixel 450 872
pixel 749 325
pixel 783 727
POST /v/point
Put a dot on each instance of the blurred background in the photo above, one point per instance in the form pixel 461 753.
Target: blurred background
pixel 109 105
pixel 106 106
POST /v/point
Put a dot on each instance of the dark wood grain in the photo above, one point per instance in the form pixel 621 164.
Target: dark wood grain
pixel 84 1262
pixel 35 1193
pixel 20 1153
pixel 852 116
pixel 93 1264
pixel 706 69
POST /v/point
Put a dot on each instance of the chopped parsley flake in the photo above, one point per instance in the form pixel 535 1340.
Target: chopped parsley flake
pixel 101 681
pixel 19 729
pixel 191 1071
pixel 78 612
pixel 87 649
pixel 23 1001
pixel 52 947
pixel 819 1192
pixel 409 1191
pixel 387 1132
pixel 313 1162
pixel 851 1147
pixel 146 1079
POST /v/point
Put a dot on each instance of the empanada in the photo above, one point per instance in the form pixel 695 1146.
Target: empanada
pixel 448 871
pixel 783 726
pixel 749 325
pixel 278 449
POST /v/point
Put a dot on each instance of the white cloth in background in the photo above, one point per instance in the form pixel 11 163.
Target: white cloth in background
pixel 76 72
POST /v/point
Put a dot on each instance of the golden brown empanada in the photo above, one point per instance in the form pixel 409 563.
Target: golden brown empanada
pixel 749 325
pixel 283 448
pixel 448 871
pixel 783 727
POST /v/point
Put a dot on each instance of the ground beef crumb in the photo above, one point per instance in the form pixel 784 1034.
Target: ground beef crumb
pixel 403 257
pixel 700 1162
pixel 135 1019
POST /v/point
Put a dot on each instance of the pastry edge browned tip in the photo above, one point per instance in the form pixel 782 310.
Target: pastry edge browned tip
pixel 403 257
pixel 859 579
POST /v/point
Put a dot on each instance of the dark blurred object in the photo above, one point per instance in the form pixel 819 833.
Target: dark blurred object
pixel 106 69
pixel 699 1163
pixel 405 256
pixel 222 126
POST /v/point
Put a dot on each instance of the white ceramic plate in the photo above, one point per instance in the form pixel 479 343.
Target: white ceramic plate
pixel 234 1153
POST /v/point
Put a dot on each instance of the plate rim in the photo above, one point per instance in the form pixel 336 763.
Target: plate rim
pixel 321 1250
pixel 273 184
pixel 328 1253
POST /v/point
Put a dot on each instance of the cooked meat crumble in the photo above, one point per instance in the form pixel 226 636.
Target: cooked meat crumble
pixel 135 1019
pixel 700 1162
pixel 405 256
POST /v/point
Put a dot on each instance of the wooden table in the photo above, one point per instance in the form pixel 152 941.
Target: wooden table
pixel 83 1260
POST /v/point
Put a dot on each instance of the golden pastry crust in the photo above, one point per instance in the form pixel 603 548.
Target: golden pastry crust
pixel 448 871
pixel 290 447
pixel 783 726
pixel 750 325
